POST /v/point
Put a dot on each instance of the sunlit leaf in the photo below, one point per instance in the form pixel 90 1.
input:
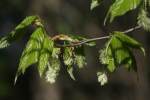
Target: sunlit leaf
pixel 17 33
pixel 121 7
pixel 4 42
pixel 68 58
pixel 56 52
pixel 30 54
pixel 106 58
pixel 122 54
pixel 128 41
pixel 117 52
pixel 144 20
pixel 45 53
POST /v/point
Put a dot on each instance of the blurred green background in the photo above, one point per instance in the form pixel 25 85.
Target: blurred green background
pixel 71 16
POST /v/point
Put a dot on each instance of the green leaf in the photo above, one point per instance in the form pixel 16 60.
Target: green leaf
pixel 94 4
pixel 25 23
pixel 4 42
pixel 17 33
pixel 122 54
pixel 55 53
pixel 106 58
pixel 68 56
pixel 118 52
pixel 121 7
pixel 68 60
pixel 144 20
pixel 45 53
pixel 30 54
pixel 73 56
pixel 128 41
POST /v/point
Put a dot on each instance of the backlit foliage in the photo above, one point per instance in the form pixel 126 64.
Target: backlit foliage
pixel 48 53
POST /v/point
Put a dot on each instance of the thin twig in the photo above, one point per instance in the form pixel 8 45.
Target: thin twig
pixel 132 29
pixel 96 39
pixel 83 42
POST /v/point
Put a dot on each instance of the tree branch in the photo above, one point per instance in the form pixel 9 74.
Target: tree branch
pixel 132 29
pixel 83 42
pixel 96 39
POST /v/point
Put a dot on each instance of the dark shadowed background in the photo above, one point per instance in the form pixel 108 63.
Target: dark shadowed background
pixel 71 16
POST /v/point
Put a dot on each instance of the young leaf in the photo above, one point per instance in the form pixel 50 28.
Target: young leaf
pixel 25 23
pixel 144 20
pixel 69 60
pixel 122 54
pixel 56 52
pixel 17 33
pixel 117 52
pixel 45 53
pixel 30 54
pixel 102 78
pixel 106 58
pixel 121 7
pixel 128 41
pixel 4 42
pixel 68 56
pixel 94 4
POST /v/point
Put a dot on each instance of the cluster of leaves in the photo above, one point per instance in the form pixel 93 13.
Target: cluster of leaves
pixel 50 52
pixel 118 52
pixel 121 7
pixel 118 49
pixel 45 51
